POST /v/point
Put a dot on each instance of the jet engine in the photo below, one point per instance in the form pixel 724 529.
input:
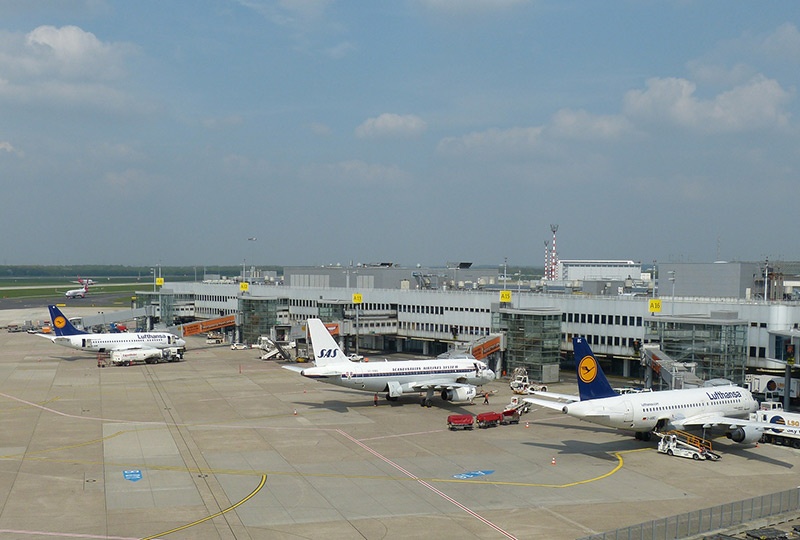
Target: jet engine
pixel 744 435
pixel 462 393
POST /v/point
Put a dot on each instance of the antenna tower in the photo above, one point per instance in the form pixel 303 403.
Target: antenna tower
pixel 554 255
pixel 546 259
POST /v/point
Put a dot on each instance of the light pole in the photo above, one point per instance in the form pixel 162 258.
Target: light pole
pixel 672 279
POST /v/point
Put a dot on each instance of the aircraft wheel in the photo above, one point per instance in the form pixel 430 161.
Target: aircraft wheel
pixel 428 403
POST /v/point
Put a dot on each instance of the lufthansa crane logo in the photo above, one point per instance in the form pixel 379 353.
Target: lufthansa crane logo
pixel 60 322
pixel 587 369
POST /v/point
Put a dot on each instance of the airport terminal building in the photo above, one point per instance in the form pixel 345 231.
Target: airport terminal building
pixel 748 320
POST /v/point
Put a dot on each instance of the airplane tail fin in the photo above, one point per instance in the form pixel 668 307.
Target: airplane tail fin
pixel 592 382
pixel 61 325
pixel 326 350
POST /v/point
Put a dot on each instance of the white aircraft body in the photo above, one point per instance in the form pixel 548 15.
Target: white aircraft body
pixel 67 335
pixel 454 378
pixel 78 293
pixel 724 407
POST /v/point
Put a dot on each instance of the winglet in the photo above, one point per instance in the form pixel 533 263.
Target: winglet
pixel 592 382
pixel 61 325
pixel 326 350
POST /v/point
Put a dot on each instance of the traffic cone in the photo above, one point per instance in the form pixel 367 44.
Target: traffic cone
pixel 295 413
pixel 553 461
pixel 526 424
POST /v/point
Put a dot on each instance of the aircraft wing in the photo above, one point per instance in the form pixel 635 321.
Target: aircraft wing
pixel 296 369
pixel 440 384
pixel 563 398
pixel 714 420
pixel 547 403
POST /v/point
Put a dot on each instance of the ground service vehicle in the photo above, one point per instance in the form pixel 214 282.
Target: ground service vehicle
pixel 510 416
pixel 128 357
pixel 682 444
pixel 521 385
pixel 772 412
pixel 489 419
pixel 460 421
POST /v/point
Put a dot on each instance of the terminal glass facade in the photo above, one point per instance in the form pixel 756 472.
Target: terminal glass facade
pixel 258 317
pixel 719 348
pixel 532 341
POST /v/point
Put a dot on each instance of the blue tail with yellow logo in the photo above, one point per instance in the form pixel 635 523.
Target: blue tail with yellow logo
pixel 592 382
pixel 61 325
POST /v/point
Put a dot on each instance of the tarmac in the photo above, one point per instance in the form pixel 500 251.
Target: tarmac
pixel 226 446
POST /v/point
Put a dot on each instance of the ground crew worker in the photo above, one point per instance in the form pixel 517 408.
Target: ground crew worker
pixel 375 400
pixel 486 397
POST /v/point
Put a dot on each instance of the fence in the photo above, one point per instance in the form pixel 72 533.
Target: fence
pixel 708 519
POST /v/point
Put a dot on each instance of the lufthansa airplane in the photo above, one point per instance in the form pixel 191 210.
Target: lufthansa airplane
pixel 66 335
pixel 454 378
pixel 723 407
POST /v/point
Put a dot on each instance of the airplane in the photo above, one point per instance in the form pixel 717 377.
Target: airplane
pixel 78 293
pixel 726 407
pixel 66 335
pixel 454 378
pixel 87 281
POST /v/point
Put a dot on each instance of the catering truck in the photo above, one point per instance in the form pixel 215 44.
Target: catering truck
pixel 787 424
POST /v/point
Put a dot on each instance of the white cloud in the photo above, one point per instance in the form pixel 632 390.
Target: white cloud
pixel 391 125
pixel 320 129
pixel 757 104
pixel 7 147
pixel 356 173
pixel 466 6
pixel 131 181
pixel 580 124
pixel 340 50
pixel 493 141
pixel 62 65
pixel 783 43
pixel 73 52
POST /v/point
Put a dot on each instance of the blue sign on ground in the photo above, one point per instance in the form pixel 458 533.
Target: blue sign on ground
pixel 471 474
pixel 134 475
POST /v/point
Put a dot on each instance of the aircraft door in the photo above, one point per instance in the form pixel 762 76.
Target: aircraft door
pixel 628 411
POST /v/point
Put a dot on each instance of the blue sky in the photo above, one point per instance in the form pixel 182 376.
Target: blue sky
pixel 412 131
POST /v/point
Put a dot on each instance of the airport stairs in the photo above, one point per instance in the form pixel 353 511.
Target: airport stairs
pixel 692 441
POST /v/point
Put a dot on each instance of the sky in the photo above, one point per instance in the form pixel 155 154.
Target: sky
pixel 308 132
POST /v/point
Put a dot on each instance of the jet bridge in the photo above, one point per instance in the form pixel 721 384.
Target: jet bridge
pixel 674 374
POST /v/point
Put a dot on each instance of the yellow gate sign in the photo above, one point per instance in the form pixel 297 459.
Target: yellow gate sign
pixel 505 296
pixel 655 305
pixel 357 299
pixel 244 286
pixel 160 281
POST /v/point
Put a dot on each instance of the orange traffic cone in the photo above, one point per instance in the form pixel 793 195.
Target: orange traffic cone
pixel 295 413
pixel 553 461
pixel 526 425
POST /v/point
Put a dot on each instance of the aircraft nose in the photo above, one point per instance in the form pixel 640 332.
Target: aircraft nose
pixel 180 342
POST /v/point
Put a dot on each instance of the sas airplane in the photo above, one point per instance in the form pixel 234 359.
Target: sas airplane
pixel 66 335
pixel 454 378
pixel 723 407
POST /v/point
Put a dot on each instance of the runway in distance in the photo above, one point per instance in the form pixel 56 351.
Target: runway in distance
pixel 456 379
pixel 66 335
pixel 723 407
